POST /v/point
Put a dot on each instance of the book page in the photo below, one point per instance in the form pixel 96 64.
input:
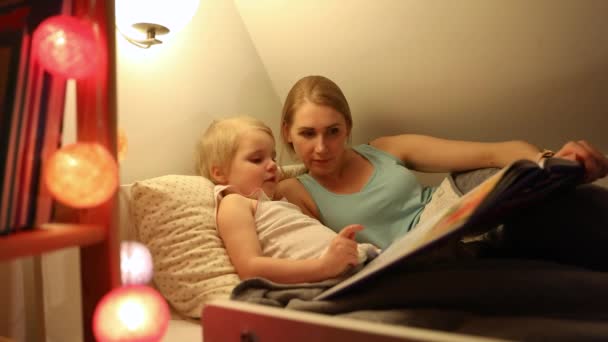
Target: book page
pixel 446 221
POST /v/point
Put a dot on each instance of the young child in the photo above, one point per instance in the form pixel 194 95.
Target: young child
pixel 267 238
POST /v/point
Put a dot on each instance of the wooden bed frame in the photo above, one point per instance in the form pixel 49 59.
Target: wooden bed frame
pixel 226 320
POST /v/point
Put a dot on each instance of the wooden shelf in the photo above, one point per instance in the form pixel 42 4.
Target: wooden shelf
pixel 49 237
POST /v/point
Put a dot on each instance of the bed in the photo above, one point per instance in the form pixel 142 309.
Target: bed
pixel 462 299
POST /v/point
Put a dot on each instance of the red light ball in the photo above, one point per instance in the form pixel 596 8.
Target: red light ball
pixel 81 175
pixel 132 313
pixel 66 46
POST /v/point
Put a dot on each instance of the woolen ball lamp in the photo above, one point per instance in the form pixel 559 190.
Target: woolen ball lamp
pixel 66 46
pixel 81 175
pixel 136 266
pixel 131 313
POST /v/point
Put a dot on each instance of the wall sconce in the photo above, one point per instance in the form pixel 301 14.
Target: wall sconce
pixel 141 22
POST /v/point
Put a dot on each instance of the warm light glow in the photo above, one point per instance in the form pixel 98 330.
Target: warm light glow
pixel 131 313
pixel 122 144
pixel 81 175
pixel 66 46
pixel 169 13
pixel 136 265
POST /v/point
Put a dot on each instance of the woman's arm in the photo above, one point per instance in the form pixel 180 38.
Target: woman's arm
pixel 429 154
pixel 296 193
pixel 236 225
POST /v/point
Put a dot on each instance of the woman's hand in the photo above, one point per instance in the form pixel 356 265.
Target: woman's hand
pixel 595 163
pixel 342 252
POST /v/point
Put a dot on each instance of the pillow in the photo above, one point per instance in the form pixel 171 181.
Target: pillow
pixel 294 170
pixel 175 217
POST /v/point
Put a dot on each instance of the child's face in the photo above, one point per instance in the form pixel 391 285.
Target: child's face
pixel 254 166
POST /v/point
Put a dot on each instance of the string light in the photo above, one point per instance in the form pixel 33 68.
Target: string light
pixel 131 313
pixel 135 263
pixel 66 46
pixel 81 175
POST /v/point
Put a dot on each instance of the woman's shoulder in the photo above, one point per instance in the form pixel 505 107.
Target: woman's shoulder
pixel 295 192
pixel 377 149
pixel 289 188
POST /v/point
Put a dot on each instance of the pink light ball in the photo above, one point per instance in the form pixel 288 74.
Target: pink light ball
pixel 136 265
pixel 67 46
pixel 131 313
pixel 81 175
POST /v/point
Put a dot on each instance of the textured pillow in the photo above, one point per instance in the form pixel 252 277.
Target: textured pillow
pixel 175 217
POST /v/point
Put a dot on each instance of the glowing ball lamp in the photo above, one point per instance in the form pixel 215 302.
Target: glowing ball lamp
pixel 131 313
pixel 81 175
pixel 66 46
pixel 135 263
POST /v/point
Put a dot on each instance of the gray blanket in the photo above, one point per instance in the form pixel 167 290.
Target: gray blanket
pixel 511 299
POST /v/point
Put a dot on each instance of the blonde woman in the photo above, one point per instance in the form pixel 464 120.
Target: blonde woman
pixel 372 184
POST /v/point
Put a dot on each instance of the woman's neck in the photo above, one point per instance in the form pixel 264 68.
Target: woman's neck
pixel 340 173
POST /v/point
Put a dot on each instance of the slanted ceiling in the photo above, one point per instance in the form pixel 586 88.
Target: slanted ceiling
pixel 467 69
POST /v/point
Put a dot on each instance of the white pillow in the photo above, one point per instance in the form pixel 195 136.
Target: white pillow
pixel 175 217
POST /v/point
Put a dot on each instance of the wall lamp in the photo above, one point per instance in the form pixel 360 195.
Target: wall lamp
pixel 142 22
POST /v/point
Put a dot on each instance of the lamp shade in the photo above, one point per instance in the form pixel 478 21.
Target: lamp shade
pixel 81 175
pixel 136 266
pixel 131 313
pixel 66 46
pixel 172 14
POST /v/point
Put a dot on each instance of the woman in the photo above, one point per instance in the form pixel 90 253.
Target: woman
pixel 372 184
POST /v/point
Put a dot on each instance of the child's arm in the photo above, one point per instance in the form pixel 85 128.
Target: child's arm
pixel 237 229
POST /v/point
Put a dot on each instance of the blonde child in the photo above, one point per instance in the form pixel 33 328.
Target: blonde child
pixel 267 238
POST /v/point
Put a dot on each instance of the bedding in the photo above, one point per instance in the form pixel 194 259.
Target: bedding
pixel 174 215
pixel 501 298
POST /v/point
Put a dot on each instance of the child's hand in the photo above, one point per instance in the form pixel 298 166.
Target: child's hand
pixel 342 252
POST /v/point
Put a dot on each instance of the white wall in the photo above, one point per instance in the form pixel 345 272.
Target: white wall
pixel 168 94
pixel 467 69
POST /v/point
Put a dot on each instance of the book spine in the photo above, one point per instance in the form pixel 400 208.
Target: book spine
pixel 41 210
pixel 12 137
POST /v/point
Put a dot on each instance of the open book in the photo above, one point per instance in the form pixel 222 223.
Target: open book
pixel 521 184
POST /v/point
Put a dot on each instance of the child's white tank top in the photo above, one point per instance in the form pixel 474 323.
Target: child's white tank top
pixel 285 232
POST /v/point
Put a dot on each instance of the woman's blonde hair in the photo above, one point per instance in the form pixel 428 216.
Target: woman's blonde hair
pixel 314 89
pixel 218 144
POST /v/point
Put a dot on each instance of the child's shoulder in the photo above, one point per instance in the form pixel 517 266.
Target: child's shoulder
pixel 236 200
pixel 235 205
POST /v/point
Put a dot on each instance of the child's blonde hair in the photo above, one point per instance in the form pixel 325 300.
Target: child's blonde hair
pixel 217 145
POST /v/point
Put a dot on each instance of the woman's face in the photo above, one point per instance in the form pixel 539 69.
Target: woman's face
pixel 318 134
